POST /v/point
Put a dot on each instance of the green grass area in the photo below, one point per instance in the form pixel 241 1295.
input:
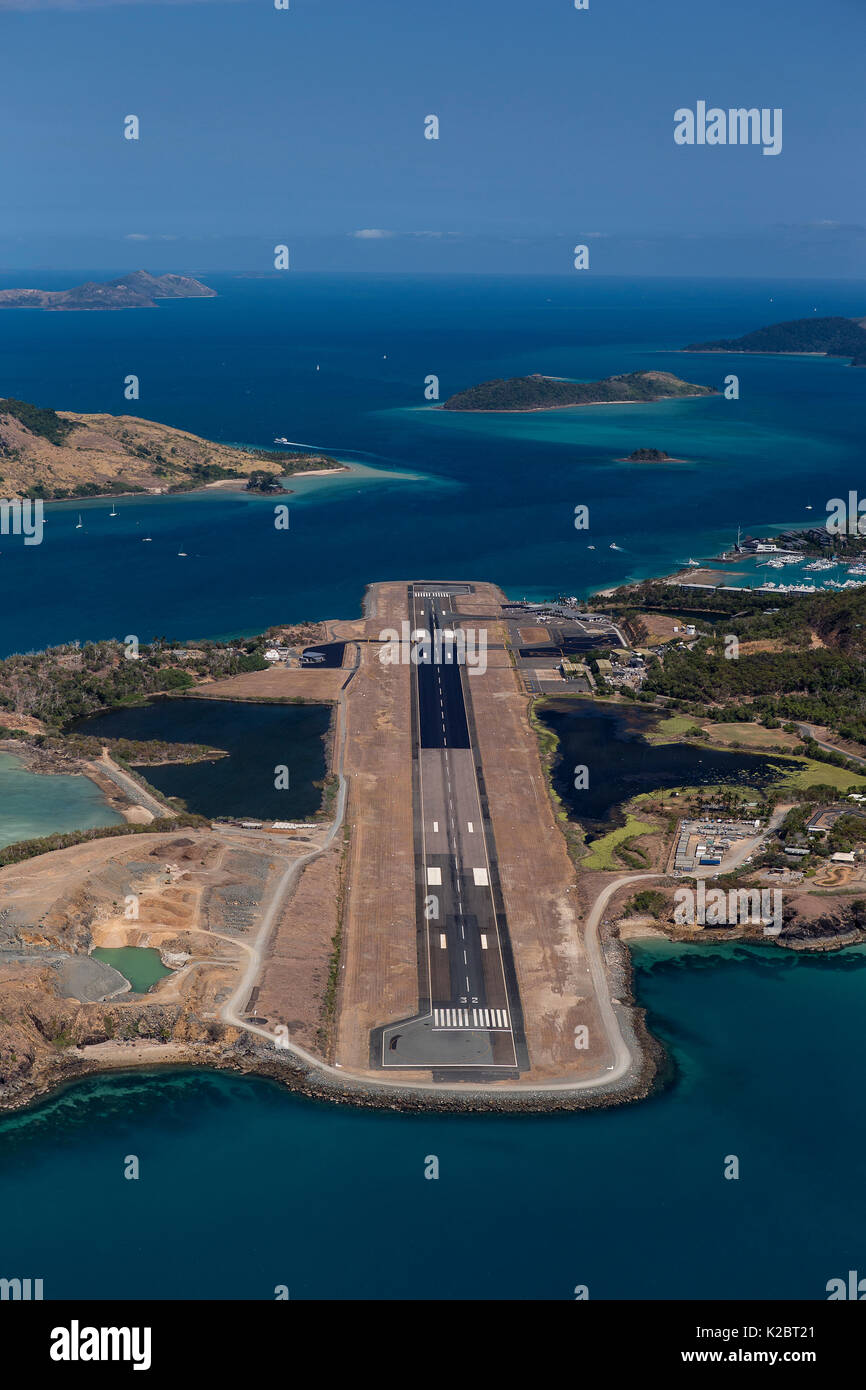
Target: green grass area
pixel 705 793
pixel 811 772
pixel 673 728
pixel 603 852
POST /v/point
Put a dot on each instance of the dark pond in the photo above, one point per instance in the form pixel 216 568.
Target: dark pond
pixel 610 742
pixel 258 739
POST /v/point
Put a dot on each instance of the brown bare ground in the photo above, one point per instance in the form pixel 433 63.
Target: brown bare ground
pixel 295 974
pixel 537 876
pixel 379 982
pixel 278 683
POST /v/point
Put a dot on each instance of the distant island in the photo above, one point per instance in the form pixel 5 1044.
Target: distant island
pixel 56 455
pixel 550 393
pixel 651 456
pixel 831 337
pixel 138 290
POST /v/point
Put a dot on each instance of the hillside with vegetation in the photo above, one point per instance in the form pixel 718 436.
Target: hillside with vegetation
pixel 59 454
pixel 803 660
pixel 547 393
pixel 63 684
pixel 834 337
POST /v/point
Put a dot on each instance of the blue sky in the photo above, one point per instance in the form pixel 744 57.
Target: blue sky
pixel 306 127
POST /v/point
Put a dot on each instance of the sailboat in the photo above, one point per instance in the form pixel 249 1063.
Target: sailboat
pixel 79 523
pixel 113 511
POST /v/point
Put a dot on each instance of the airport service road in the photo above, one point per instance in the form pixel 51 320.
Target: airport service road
pixel 469 1002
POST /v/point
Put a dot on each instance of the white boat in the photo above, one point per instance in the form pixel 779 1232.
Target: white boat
pixel 282 440
pixel 113 511
pixel 614 546
pixel 590 547
pixel 182 553
pixel 79 523
pixel 695 564
pixel 147 538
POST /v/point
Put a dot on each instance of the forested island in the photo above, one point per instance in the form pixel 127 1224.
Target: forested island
pixel 650 456
pixel 832 337
pixel 138 290
pixel 539 392
pixel 59 454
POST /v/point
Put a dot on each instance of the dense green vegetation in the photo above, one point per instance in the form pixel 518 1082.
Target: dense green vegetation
pixel 837 337
pixel 816 673
pixel 260 480
pixel 47 424
pixel 650 903
pixel 106 488
pixel 541 392
pixel 648 456
pixel 67 683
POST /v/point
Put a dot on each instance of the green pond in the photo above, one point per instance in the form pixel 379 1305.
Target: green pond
pixel 141 965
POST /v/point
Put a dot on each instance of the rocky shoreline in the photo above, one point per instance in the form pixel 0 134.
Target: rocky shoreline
pixel 244 1054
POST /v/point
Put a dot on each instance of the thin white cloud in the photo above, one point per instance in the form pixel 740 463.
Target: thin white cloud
pixel 371 234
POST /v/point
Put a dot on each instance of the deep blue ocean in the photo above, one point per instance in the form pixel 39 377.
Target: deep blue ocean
pixel 496 494
pixel 244 1186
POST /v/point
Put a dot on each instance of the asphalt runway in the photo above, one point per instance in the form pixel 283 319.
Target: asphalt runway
pixel 466 1019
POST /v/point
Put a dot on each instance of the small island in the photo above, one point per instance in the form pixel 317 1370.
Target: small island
pixel 552 393
pixel 828 337
pixel 650 456
pixel 138 290
pixel 57 455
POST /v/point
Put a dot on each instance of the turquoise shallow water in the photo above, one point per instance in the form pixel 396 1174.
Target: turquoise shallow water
pixel 140 965
pixel 484 495
pixel 32 805
pixel 248 1186
pixel 244 1186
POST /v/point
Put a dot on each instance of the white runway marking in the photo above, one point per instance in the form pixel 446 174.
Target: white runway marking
pixel 451 1018
pixel 494 1020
